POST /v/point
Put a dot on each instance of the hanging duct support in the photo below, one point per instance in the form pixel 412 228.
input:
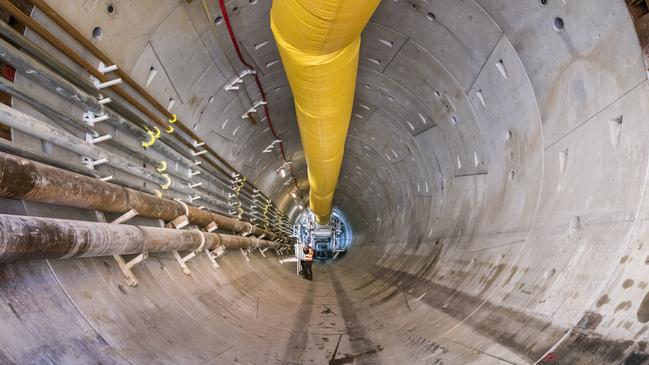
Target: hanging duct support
pixel 319 42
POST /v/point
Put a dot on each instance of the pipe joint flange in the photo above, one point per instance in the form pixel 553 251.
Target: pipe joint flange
pixel 249 230
pixel 184 205
pixel 202 244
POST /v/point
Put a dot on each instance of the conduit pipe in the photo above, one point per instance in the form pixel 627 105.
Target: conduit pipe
pixel 75 57
pixel 319 42
pixel 25 238
pixel 24 179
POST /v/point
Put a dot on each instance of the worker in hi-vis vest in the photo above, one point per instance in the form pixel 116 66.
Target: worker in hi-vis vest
pixel 308 262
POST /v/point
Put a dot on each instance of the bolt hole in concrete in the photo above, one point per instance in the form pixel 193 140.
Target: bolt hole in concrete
pixel 431 16
pixel 544 2
pixel 97 33
pixel 252 2
pixel 235 9
pixel 110 8
pixel 122 289
pixel 218 20
pixel 558 24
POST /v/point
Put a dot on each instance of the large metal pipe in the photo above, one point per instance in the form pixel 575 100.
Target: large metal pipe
pixel 25 238
pixel 24 179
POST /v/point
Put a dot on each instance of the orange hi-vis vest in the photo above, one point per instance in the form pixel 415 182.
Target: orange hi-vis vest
pixel 309 255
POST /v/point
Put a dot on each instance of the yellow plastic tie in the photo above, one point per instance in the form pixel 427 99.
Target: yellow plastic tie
pixel 170 129
pixel 162 166
pixel 167 184
pixel 157 193
pixel 173 119
pixel 153 136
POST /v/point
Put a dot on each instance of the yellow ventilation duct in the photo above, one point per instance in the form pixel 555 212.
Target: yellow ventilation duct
pixel 319 41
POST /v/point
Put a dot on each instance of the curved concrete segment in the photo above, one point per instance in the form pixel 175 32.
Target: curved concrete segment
pixel 495 179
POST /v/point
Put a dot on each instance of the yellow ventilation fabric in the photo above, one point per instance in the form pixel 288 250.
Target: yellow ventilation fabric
pixel 319 41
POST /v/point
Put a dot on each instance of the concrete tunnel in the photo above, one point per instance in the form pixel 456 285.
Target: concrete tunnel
pixel 494 182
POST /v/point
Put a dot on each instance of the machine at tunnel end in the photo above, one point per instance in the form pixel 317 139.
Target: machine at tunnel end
pixel 329 241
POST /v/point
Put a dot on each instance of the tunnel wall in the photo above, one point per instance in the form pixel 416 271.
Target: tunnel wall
pixel 494 178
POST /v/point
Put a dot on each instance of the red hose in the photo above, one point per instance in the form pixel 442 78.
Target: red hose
pixel 235 43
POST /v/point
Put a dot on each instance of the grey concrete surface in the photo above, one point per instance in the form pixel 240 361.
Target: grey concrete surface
pixel 494 177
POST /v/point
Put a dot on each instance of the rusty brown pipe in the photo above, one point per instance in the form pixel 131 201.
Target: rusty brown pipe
pixel 25 238
pixel 25 179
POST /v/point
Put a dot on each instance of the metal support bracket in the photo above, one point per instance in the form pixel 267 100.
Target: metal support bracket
pixel 249 231
pixel 211 227
pixel 215 254
pixel 126 266
pixel 90 163
pixel 91 118
pixel 125 217
pixel 234 85
pixel 270 147
pixel 178 222
pixel 263 251
pixel 94 139
pixel 182 261
pixel 253 109
pixel 106 69
pixel 102 85
pixel 192 198
pixel 245 254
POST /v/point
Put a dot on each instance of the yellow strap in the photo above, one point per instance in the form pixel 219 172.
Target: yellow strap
pixel 162 166
pixel 167 183
pixel 152 137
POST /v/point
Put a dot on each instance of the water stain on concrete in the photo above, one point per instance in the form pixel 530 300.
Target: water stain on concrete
pixel 643 310
pixel 625 305
pixel 602 300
